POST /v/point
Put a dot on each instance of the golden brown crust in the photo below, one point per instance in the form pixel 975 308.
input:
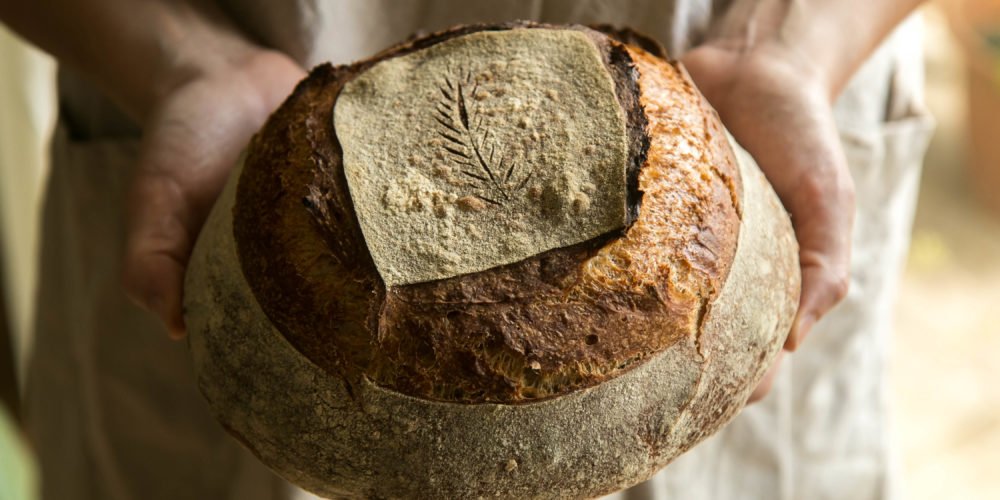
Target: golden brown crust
pixel 560 321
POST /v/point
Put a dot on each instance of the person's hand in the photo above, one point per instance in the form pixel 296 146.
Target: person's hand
pixel 778 107
pixel 191 140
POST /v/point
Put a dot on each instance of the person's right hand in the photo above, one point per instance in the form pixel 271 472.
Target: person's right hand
pixel 777 105
pixel 191 141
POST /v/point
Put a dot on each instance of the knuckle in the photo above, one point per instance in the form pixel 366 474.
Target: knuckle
pixel 835 187
pixel 813 187
pixel 839 284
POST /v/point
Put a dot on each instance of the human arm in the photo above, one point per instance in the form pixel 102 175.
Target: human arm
pixel 772 69
pixel 198 88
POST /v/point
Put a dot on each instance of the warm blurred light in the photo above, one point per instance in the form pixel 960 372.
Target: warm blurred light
pixel 946 398
pixel 976 26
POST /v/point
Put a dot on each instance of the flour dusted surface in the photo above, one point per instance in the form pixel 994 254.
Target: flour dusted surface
pixel 482 151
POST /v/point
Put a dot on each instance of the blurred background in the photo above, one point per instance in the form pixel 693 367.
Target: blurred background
pixel 947 338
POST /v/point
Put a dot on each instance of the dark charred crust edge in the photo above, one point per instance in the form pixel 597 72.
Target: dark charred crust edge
pixel 627 88
pixel 626 79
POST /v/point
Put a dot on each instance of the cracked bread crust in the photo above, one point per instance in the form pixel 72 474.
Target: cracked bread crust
pixel 365 441
pixel 303 402
pixel 558 322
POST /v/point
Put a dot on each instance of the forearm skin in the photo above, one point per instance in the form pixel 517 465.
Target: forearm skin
pixel 827 38
pixel 136 51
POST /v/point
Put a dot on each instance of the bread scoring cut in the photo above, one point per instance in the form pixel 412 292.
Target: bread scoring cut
pixel 481 151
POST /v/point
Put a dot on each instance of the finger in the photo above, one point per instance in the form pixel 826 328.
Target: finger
pixel 158 244
pixel 822 208
pixel 825 283
pixel 809 173
pixel 179 173
pixel 766 383
pixel 189 148
pixel 787 125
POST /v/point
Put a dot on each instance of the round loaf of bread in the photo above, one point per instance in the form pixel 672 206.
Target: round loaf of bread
pixel 518 261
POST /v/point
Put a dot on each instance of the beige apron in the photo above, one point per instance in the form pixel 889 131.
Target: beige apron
pixel 112 405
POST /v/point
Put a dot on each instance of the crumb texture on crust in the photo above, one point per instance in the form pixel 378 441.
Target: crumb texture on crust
pixel 554 323
pixel 483 150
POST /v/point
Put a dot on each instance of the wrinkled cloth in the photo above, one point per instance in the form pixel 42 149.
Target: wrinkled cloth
pixel 112 406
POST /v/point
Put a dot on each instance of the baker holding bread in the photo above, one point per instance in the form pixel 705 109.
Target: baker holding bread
pixel 158 100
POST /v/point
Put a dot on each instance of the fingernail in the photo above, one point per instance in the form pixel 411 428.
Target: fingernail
pixel 176 328
pixel 799 331
pixel 176 333
pixel 155 304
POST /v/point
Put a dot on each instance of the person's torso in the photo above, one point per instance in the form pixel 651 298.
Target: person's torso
pixel 341 31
